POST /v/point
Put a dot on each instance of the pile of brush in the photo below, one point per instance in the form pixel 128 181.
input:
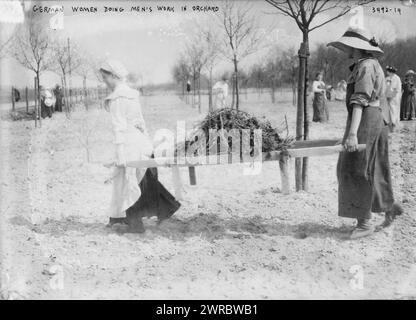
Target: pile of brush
pixel 228 119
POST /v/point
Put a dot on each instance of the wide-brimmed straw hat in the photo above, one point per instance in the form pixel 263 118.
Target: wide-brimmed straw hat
pixel 359 39
pixel 409 73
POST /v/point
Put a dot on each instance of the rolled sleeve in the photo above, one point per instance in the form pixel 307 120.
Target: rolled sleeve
pixel 363 87
pixel 118 120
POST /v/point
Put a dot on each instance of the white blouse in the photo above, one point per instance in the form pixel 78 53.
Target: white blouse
pixel 317 86
pixel 127 121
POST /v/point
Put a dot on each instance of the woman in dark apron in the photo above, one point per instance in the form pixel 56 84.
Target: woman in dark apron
pixel 364 178
pixel 320 109
pixel 408 102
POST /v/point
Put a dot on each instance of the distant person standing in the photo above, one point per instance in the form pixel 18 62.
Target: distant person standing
pixel 46 102
pixel 16 94
pixel 320 111
pixel 393 96
pixel 341 91
pixel 220 91
pixel 188 90
pixel 59 98
pixel 408 104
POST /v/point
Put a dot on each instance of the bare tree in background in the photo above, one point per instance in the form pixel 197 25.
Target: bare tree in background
pixel 210 45
pixel 304 12
pixel 241 37
pixel 4 45
pixel 197 59
pixel 181 73
pixel 31 47
pixel 84 70
pixel 66 60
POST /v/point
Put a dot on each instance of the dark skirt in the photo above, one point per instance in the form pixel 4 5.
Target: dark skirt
pixel 408 106
pixel 155 200
pixel 320 110
pixel 364 178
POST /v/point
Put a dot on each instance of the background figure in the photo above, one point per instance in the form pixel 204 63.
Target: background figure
pixel 188 90
pixel 16 94
pixel 58 97
pixel 393 96
pixel 341 90
pixel 329 93
pixel 46 102
pixel 408 104
pixel 220 91
pixel 320 111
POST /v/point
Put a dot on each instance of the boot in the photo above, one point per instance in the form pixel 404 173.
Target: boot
pixel 135 226
pixel 396 210
pixel 113 221
pixel 363 229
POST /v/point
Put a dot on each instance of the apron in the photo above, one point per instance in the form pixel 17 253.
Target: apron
pixel 320 111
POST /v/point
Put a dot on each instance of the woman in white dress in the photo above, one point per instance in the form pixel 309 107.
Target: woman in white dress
pixel 393 96
pixel 136 192
pixel 220 90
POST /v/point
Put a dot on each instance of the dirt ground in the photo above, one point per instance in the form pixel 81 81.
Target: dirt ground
pixel 235 236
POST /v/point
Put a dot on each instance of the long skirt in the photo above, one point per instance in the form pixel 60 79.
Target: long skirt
pixel 320 110
pixel 155 200
pixel 408 106
pixel 364 178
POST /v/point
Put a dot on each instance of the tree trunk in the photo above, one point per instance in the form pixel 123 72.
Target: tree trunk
pixel 199 91
pixel 233 93
pixel 210 108
pixel 39 106
pixel 273 87
pixel 306 112
pixel 300 112
pixel 237 98
pixel 193 89
pixel 84 83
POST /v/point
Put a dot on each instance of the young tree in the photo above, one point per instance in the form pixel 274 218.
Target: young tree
pixel 305 13
pixel 241 37
pixel 181 73
pixel 84 70
pixel 196 60
pixel 5 41
pixel 31 47
pixel 211 57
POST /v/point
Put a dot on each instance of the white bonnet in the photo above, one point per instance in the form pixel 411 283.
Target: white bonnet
pixel 115 67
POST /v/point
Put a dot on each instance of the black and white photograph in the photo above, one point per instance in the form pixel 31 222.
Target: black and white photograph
pixel 197 150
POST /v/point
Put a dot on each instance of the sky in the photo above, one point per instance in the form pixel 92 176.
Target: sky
pixel 149 43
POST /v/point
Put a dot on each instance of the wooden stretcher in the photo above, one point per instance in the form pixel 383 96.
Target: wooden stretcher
pixel 300 149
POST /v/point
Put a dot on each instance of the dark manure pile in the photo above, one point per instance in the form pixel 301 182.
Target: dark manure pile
pixel 224 120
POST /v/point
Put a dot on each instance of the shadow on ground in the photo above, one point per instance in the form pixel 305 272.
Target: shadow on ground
pixel 206 226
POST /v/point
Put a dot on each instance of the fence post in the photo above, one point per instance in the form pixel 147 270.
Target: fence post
pixel 284 173
pixel 13 100
pixel 177 183
pixel 27 100
pixel 192 176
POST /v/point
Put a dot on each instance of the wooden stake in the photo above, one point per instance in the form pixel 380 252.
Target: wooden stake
pixel 177 183
pixel 284 173
pixel 13 100
pixel 27 100
pixel 192 176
